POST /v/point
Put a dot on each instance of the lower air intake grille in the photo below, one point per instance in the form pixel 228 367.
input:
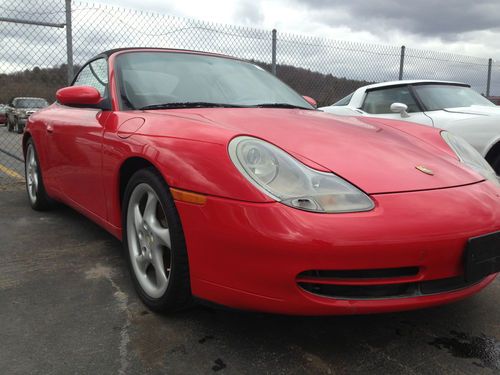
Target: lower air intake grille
pixel 399 290
pixel 378 273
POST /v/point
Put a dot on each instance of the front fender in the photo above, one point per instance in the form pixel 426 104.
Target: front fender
pixel 198 166
pixel 482 132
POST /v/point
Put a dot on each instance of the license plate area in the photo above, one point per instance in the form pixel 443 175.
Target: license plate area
pixel 482 257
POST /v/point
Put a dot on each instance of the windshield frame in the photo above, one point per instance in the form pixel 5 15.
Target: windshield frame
pixel 425 108
pixel 119 79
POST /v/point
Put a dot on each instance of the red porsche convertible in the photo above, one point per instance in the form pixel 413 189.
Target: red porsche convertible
pixel 225 185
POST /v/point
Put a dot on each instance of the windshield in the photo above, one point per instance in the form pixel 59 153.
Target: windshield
pixel 30 103
pixel 343 101
pixel 435 97
pixel 149 79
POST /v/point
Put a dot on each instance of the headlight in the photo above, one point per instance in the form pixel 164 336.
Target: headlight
pixel 285 179
pixel 470 156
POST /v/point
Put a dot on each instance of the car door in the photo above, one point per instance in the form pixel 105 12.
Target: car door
pixel 479 127
pixel 75 138
pixel 377 103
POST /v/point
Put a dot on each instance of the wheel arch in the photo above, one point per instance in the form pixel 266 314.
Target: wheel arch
pixel 26 137
pixel 127 169
pixel 493 152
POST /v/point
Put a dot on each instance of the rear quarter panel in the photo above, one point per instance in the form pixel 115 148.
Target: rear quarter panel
pixel 36 130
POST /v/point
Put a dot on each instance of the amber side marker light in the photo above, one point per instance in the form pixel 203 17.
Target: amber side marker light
pixel 187 196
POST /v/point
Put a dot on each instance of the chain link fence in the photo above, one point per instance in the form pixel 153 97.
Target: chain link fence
pixel 45 42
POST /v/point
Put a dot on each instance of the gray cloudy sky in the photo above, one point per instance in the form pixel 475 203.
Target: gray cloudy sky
pixel 466 27
pixel 459 26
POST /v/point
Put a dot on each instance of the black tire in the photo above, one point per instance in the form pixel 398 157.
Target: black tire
pixel 18 127
pixel 9 125
pixel 496 164
pixel 41 201
pixel 177 295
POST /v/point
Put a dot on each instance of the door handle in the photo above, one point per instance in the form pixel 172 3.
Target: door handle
pixel 50 129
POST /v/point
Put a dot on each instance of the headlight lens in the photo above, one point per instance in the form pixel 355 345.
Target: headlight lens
pixel 287 180
pixel 470 156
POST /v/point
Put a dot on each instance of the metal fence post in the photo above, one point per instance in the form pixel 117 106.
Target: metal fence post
pixel 488 83
pixel 402 62
pixel 69 42
pixel 273 58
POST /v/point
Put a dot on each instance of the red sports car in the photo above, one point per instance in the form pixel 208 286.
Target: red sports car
pixel 225 185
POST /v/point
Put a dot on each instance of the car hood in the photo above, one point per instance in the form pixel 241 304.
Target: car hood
pixel 376 157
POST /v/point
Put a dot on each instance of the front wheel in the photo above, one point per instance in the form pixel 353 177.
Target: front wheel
pixel 496 164
pixel 18 128
pixel 154 243
pixel 39 200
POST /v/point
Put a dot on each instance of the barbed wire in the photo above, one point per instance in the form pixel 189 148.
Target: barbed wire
pixel 38 13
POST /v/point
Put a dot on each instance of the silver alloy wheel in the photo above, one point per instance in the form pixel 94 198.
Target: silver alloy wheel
pixel 148 239
pixel 31 167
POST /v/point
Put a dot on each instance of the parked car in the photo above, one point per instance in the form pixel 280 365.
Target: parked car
pixel 447 105
pixel 226 185
pixel 20 109
pixel 494 99
pixel 3 118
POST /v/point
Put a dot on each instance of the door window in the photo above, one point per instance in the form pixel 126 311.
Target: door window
pixel 379 101
pixel 94 74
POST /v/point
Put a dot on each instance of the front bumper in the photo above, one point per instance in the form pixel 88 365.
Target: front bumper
pixel 249 255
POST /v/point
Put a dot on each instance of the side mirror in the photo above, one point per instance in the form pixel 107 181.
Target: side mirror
pixel 79 96
pixel 400 108
pixel 311 101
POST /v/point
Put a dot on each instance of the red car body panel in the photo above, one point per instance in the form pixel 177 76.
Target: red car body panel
pixel 259 249
pixel 246 250
pixel 386 152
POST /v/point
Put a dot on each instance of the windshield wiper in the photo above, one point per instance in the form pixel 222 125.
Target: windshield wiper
pixel 279 105
pixel 189 105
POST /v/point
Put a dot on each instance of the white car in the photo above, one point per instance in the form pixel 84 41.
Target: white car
pixel 451 106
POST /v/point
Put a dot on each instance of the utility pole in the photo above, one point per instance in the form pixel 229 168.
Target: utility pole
pixel 69 42
pixel 402 62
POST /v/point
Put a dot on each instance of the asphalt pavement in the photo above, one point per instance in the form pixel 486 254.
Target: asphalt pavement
pixel 11 157
pixel 67 306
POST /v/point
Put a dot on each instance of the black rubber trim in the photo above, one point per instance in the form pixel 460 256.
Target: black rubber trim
pixel 361 274
pixel 387 291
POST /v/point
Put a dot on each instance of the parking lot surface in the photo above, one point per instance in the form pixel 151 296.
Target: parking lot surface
pixel 67 305
pixel 11 157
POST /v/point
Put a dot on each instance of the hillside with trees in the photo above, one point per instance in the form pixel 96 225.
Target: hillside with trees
pixel 326 89
pixel 38 82
pixel 44 82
